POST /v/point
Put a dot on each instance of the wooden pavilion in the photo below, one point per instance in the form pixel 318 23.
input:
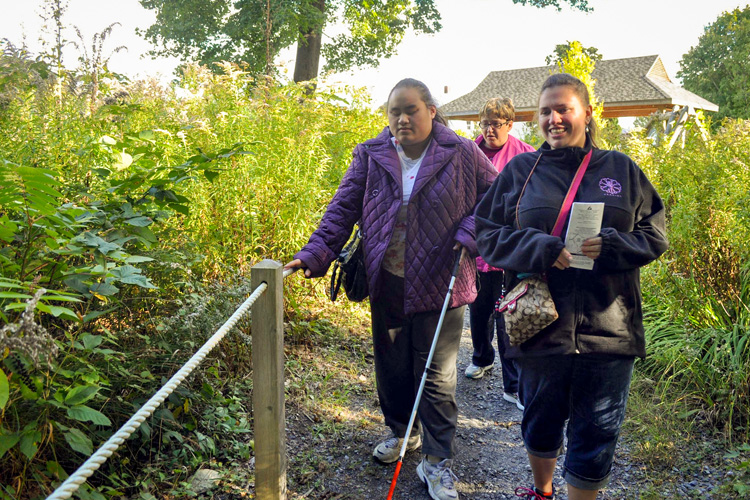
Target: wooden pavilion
pixel 634 86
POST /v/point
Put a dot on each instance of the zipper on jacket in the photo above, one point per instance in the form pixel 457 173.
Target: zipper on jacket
pixel 578 310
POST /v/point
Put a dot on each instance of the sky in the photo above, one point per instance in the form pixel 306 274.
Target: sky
pixel 478 36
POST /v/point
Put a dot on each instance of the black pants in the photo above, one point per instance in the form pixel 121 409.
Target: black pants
pixel 402 344
pixel 483 323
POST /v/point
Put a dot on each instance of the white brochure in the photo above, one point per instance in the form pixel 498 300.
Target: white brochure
pixel 585 222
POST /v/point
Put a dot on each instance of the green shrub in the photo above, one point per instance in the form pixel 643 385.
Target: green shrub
pixel 272 199
pixel 126 211
pixel 697 296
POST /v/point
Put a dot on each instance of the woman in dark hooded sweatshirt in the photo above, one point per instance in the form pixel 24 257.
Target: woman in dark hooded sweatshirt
pixel 578 369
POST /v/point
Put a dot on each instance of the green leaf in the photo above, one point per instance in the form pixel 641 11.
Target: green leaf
pixel 121 272
pixel 91 240
pixel 85 414
pixel 56 470
pixel 77 283
pixel 134 259
pixel 210 175
pixel 145 429
pixel 146 135
pixel 141 281
pixel 91 341
pixel 4 389
pixel 8 229
pixel 687 414
pixel 108 140
pixel 10 284
pixel 104 289
pixel 145 235
pixel 13 295
pixel 91 377
pixel 30 443
pixel 42 186
pixel 57 311
pixel 15 306
pixel 165 195
pixel 7 441
pixel 79 442
pixel 197 159
pixel 140 221
pixel 96 314
pixel 182 209
pixel 92 493
pixel 81 394
pixel 47 297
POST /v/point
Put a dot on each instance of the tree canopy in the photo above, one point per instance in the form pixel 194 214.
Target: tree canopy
pixel 254 31
pixel 717 68
pixel 562 49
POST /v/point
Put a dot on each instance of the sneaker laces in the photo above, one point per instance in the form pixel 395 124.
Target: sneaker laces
pixel 446 480
pixel 391 442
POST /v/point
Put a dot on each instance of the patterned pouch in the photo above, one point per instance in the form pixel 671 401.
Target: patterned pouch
pixel 527 309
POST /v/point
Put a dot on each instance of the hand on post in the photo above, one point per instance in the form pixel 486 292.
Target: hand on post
pixel 298 264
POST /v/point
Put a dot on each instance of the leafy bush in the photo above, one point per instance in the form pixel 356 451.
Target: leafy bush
pixel 126 204
pixel 271 200
pixel 698 294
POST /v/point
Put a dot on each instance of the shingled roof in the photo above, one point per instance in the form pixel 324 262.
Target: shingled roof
pixel 634 86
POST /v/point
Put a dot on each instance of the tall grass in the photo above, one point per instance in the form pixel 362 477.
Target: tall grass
pixel 272 198
pixel 697 297
pixel 146 190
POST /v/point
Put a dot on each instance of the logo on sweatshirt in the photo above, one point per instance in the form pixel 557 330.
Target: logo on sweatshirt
pixel 610 186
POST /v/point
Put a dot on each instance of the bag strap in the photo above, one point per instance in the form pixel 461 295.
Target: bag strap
pixel 523 190
pixel 335 281
pixel 338 274
pixel 568 201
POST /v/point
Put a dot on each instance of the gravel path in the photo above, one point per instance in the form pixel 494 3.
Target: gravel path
pixel 490 463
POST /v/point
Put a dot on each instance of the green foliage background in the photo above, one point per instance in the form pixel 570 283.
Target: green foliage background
pixel 697 296
pixel 717 69
pixel 140 211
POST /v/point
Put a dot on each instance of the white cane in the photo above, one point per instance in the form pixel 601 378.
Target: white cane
pixel 424 375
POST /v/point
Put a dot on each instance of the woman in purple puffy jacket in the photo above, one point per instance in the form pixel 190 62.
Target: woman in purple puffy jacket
pixel 413 188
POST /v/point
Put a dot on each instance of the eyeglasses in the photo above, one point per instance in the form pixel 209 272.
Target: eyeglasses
pixel 496 125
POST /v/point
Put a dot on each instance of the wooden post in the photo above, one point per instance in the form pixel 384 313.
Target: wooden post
pixel 268 383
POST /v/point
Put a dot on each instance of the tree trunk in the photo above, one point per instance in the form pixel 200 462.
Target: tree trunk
pixel 269 49
pixel 308 50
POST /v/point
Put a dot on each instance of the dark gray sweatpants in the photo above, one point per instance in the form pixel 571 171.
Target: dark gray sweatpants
pixel 402 343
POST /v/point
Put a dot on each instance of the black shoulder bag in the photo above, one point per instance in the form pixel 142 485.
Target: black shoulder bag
pixel 349 267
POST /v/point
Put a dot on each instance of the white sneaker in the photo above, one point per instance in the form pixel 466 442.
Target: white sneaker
pixel 476 372
pixel 512 397
pixel 387 451
pixel 439 479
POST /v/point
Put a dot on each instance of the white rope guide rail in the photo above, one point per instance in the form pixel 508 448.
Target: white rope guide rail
pixel 74 481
